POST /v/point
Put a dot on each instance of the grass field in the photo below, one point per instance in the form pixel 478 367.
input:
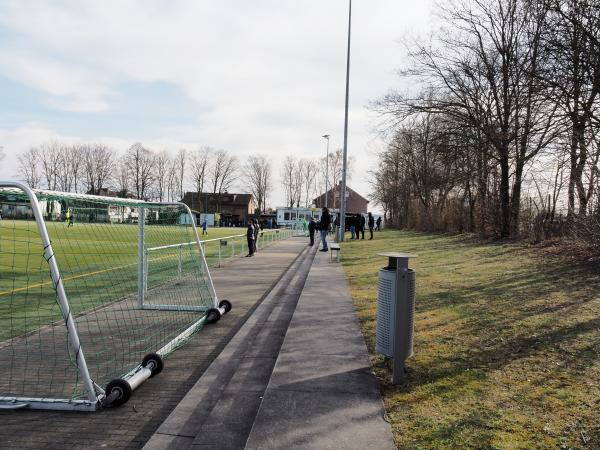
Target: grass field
pixel 507 345
pixel 98 264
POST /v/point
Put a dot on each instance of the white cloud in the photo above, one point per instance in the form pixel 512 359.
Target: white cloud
pixel 270 73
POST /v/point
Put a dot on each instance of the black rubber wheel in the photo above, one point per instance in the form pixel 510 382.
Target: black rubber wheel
pixel 154 362
pixel 117 393
pixel 213 315
pixel 225 304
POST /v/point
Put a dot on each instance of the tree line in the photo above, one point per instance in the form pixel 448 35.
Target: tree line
pixel 501 137
pixel 303 179
pixel 143 173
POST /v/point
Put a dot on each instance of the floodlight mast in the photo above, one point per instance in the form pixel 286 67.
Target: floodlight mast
pixel 342 220
pixel 326 136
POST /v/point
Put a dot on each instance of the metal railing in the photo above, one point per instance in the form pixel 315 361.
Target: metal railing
pixel 220 249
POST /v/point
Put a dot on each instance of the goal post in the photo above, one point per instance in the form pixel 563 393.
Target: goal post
pixel 82 320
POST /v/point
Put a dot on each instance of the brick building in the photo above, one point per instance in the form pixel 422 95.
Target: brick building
pixel 355 203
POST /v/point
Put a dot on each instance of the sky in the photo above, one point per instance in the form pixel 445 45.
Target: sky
pixel 250 77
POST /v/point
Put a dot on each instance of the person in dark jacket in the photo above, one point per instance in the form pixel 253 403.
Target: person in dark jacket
pixel 312 226
pixel 250 237
pixel 351 224
pixel 371 225
pixel 378 224
pixel 356 219
pixel 324 228
pixel 360 228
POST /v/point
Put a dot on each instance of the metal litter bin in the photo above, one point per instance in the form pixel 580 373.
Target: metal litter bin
pixel 395 311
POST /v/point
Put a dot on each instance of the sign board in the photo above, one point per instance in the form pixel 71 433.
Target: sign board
pixel 223 243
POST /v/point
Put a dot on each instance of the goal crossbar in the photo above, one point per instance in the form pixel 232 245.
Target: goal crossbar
pixel 93 393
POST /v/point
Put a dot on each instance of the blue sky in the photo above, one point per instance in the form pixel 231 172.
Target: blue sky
pixel 251 77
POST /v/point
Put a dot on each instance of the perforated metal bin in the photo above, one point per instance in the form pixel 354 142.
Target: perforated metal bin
pixel 395 311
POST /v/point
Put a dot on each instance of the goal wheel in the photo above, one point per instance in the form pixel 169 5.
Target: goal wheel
pixel 225 304
pixel 154 362
pixel 213 315
pixel 117 393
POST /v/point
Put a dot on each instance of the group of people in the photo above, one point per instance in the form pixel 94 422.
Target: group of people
pixel 355 223
pixel 252 236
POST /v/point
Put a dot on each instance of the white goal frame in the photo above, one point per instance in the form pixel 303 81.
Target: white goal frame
pixel 94 393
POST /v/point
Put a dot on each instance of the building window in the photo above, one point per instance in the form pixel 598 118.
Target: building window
pixel 286 216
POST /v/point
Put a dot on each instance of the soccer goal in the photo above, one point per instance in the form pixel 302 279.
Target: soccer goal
pixel 94 293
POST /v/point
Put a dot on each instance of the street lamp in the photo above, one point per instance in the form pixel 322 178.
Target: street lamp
pixel 343 187
pixel 326 136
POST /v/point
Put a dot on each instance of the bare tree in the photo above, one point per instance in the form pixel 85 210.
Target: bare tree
pixel 64 174
pixel 257 175
pixel 122 176
pixel 222 173
pixel 50 155
pixel 574 74
pixel 76 165
pixel 199 167
pixel 28 169
pixel 291 179
pixel 140 163
pixel 161 174
pixel 98 165
pixel 485 74
pixel 173 183
pixel 309 170
pixel 332 170
pixel 181 159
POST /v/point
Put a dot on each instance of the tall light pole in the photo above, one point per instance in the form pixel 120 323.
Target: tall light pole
pixel 342 220
pixel 326 136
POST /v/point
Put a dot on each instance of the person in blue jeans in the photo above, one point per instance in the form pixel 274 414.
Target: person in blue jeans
pixel 324 228
pixel 350 221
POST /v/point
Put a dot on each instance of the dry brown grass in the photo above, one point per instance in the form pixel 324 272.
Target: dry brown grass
pixel 507 344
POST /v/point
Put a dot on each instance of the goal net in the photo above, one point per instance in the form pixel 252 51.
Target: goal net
pixel 87 312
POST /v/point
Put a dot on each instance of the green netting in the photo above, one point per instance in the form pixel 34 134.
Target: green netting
pixel 95 243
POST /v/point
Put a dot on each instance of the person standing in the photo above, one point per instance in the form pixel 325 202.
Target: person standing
pixel 312 226
pixel 324 228
pixel 204 225
pixel 250 237
pixel 360 219
pixel 371 223
pixel 378 224
pixel 256 232
pixel 352 225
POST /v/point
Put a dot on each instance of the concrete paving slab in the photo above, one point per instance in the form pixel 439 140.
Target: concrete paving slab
pixel 170 442
pixel 252 374
pixel 323 340
pixel 336 373
pixel 320 420
pixel 322 393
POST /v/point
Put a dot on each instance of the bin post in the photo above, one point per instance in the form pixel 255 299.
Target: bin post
pixel 395 311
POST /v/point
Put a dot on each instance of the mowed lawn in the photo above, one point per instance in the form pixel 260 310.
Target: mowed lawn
pixel 98 263
pixel 507 345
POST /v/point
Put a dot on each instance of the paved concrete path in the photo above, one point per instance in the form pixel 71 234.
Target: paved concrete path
pixel 219 410
pixel 245 281
pixel 322 394
pixel 296 375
